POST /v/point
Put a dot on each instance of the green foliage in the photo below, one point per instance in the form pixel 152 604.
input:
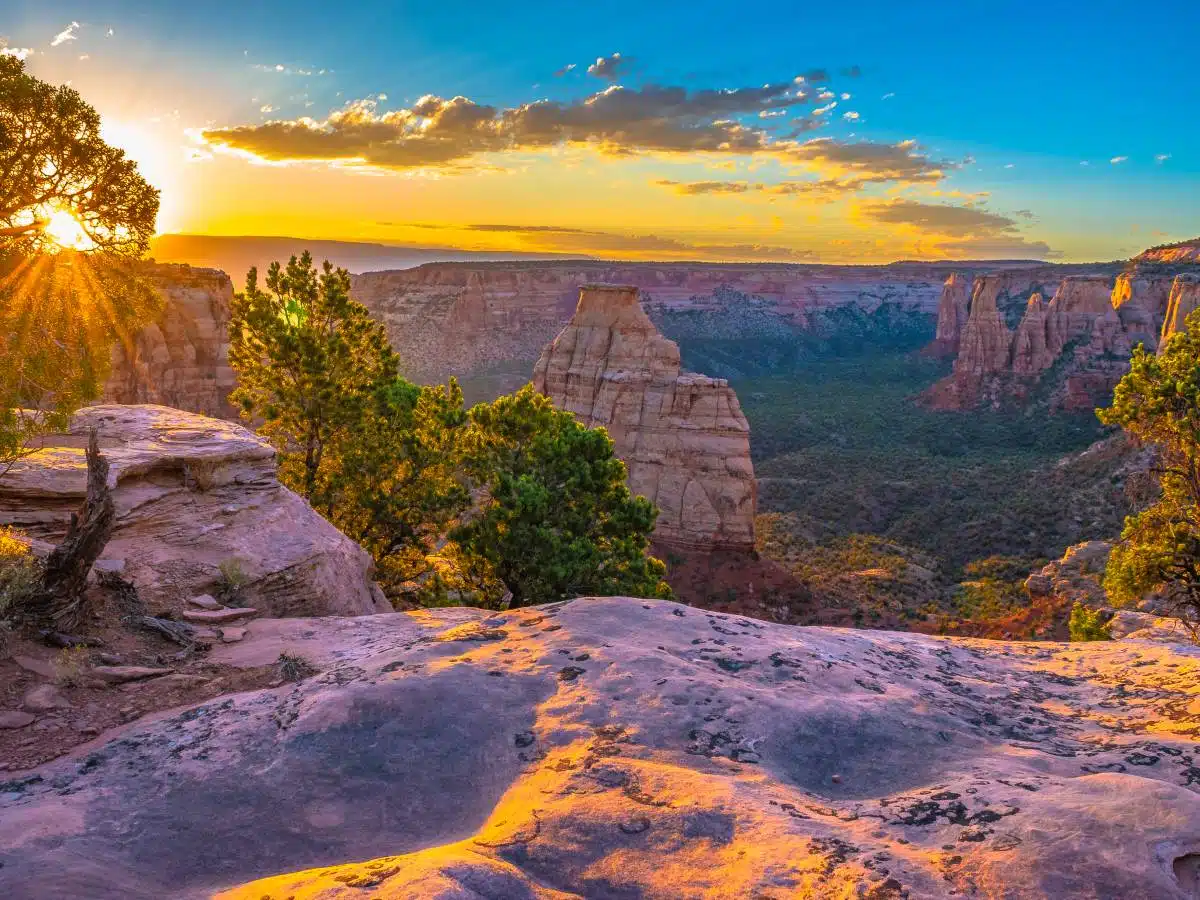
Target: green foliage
pixel 992 587
pixel 310 364
pixel 231 578
pixel 53 158
pixel 559 520
pixel 1158 402
pixel 20 574
pixel 513 498
pixel 1089 624
pixel 61 312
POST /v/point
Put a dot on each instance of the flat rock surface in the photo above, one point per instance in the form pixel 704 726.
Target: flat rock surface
pixel 619 748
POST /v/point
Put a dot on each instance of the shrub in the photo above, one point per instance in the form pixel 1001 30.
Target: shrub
pixel 20 573
pixel 295 667
pixel 1089 624
pixel 70 665
pixel 231 578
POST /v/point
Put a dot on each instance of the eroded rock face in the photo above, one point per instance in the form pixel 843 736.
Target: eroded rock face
pixel 953 308
pixel 193 493
pixel 181 361
pixel 682 436
pixel 1184 299
pixel 462 319
pixel 613 747
pixel 1082 338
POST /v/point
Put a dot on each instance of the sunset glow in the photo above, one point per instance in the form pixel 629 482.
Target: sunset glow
pixel 65 232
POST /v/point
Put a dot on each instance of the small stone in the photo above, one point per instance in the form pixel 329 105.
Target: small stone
pixel 122 674
pixel 110 659
pixel 42 667
pixel 43 698
pixel 218 616
pixel 635 826
pixel 836 779
pixel 231 634
pixel 15 718
pixel 206 601
pixel 88 729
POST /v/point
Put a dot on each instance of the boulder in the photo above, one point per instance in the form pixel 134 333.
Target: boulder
pixel 634 748
pixel 193 494
pixel 682 436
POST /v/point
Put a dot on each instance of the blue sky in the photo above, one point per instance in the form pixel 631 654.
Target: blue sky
pixel 1015 97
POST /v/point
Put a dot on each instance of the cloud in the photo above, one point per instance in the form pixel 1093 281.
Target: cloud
pixel 610 68
pixel 607 243
pixel 1117 160
pixel 953 231
pixel 21 53
pixel 1161 158
pixel 1025 214
pixel 850 116
pixel 267 108
pixel 67 34
pixel 857 163
pixel 564 70
pixel 443 132
pixel 888 96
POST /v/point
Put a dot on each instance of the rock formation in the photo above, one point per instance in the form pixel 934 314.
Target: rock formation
pixel 610 747
pixel 194 493
pixel 682 436
pixel 953 307
pixel 1080 340
pixel 1181 252
pixel 182 360
pixel 468 319
pixel 1184 299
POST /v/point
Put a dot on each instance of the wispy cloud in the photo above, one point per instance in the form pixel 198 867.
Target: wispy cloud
pixel 70 33
pixel 608 243
pixel 564 70
pixel 1117 160
pixel 1161 158
pixel 953 231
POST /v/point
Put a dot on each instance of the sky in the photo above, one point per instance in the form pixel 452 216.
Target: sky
pixel 773 131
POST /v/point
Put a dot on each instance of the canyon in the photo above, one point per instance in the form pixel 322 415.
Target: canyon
pixel 682 436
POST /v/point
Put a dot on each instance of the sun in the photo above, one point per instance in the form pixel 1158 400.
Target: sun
pixel 63 231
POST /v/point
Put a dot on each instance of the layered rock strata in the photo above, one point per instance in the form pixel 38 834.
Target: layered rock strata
pixel 1184 299
pixel 463 319
pixel 182 360
pixel 953 307
pixel 194 496
pixel 615 747
pixel 1081 339
pixel 682 436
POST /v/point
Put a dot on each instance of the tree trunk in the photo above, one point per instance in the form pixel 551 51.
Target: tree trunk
pixel 67 567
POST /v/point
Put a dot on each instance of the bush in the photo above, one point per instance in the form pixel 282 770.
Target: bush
pixel 231 579
pixel 20 574
pixel 295 667
pixel 70 666
pixel 1089 624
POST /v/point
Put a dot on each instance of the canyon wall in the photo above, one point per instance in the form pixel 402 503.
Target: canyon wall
pixel 682 436
pixel 182 360
pixel 1184 299
pixel 462 319
pixel 1067 352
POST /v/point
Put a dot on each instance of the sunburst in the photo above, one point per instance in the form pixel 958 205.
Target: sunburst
pixel 63 231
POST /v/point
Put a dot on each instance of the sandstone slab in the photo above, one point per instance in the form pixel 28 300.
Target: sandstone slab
pixel 205 601
pixel 692 754
pixel 219 616
pixel 15 718
pixel 193 494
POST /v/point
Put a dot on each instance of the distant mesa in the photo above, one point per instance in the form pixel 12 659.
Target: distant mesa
pixel 682 436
